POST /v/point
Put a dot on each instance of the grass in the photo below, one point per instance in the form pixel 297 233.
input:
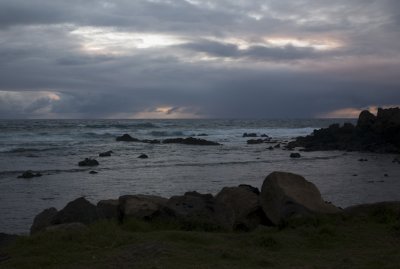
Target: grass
pixel 367 242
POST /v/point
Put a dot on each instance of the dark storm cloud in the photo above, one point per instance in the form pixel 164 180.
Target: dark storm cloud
pixel 76 58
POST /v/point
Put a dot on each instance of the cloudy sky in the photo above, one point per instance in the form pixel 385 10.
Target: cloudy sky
pixel 197 59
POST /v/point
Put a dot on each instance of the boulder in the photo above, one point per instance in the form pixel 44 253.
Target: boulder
pixel 140 206
pixel 295 155
pixel 366 120
pixel 193 207
pixel 127 138
pixel 30 174
pixel 190 141
pixel 108 209
pixel 238 208
pixel 43 220
pixel 286 195
pixel 79 210
pixel 88 162
pixel 105 154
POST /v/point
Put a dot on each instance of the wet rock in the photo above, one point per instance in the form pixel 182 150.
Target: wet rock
pixel 43 220
pixel 264 135
pixel 127 138
pixel 140 206
pixel 79 210
pixel 286 195
pixel 277 146
pixel 106 154
pixel 379 134
pixel 108 209
pixel 93 172
pixel 295 155
pixel 396 160
pixel 30 174
pixel 190 141
pixel 249 135
pixel 255 141
pixel 143 156
pixel 88 162
pixel 202 134
pixel 363 160
pixel 270 148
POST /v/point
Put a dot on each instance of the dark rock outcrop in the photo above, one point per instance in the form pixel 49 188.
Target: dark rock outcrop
pixel 238 208
pixel 43 220
pixel 286 195
pixel 144 207
pixel 108 209
pixel 190 141
pixel 88 162
pixel 127 138
pixel 379 133
pixel 79 210
pixel 30 174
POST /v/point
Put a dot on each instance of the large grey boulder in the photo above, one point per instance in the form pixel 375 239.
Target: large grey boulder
pixel 43 220
pixel 285 195
pixel 141 206
pixel 193 208
pixel 79 210
pixel 108 209
pixel 238 208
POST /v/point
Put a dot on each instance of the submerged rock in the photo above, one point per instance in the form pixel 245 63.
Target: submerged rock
pixel 295 155
pixel 30 174
pixel 286 195
pixel 190 141
pixel 250 135
pixel 106 154
pixel 127 138
pixel 88 162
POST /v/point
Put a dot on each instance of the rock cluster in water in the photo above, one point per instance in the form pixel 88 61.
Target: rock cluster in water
pixel 186 141
pixel 282 196
pixel 380 133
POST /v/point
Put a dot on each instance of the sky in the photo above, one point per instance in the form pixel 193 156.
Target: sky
pixel 198 59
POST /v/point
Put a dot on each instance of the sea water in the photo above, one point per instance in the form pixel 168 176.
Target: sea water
pixel 54 148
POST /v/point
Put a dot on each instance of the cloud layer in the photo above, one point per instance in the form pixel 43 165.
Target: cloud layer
pixel 162 58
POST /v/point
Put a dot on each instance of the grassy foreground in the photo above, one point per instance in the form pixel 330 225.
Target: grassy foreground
pixel 334 242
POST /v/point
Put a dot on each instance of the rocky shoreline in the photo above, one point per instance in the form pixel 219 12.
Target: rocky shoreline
pixel 380 134
pixel 283 196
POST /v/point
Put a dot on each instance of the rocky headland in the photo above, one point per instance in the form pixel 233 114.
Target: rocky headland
pixel 380 134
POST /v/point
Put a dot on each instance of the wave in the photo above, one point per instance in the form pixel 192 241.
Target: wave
pixel 166 133
pixel 24 150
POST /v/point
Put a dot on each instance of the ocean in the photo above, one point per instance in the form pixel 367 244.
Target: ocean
pixel 54 148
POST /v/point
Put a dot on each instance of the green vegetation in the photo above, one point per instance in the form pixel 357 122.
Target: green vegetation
pixel 372 241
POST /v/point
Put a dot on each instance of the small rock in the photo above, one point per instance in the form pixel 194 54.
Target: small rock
pixel 190 141
pixel 106 154
pixel 93 172
pixel 88 162
pixel 264 135
pixel 277 146
pixel 386 175
pixel 295 155
pixel 363 160
pixel 249 135
pixel 202 134
pixel 143 156
pixel 30 174
pixel 127 138
pixel 396 160
pixel 355 175
pixel 270 148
